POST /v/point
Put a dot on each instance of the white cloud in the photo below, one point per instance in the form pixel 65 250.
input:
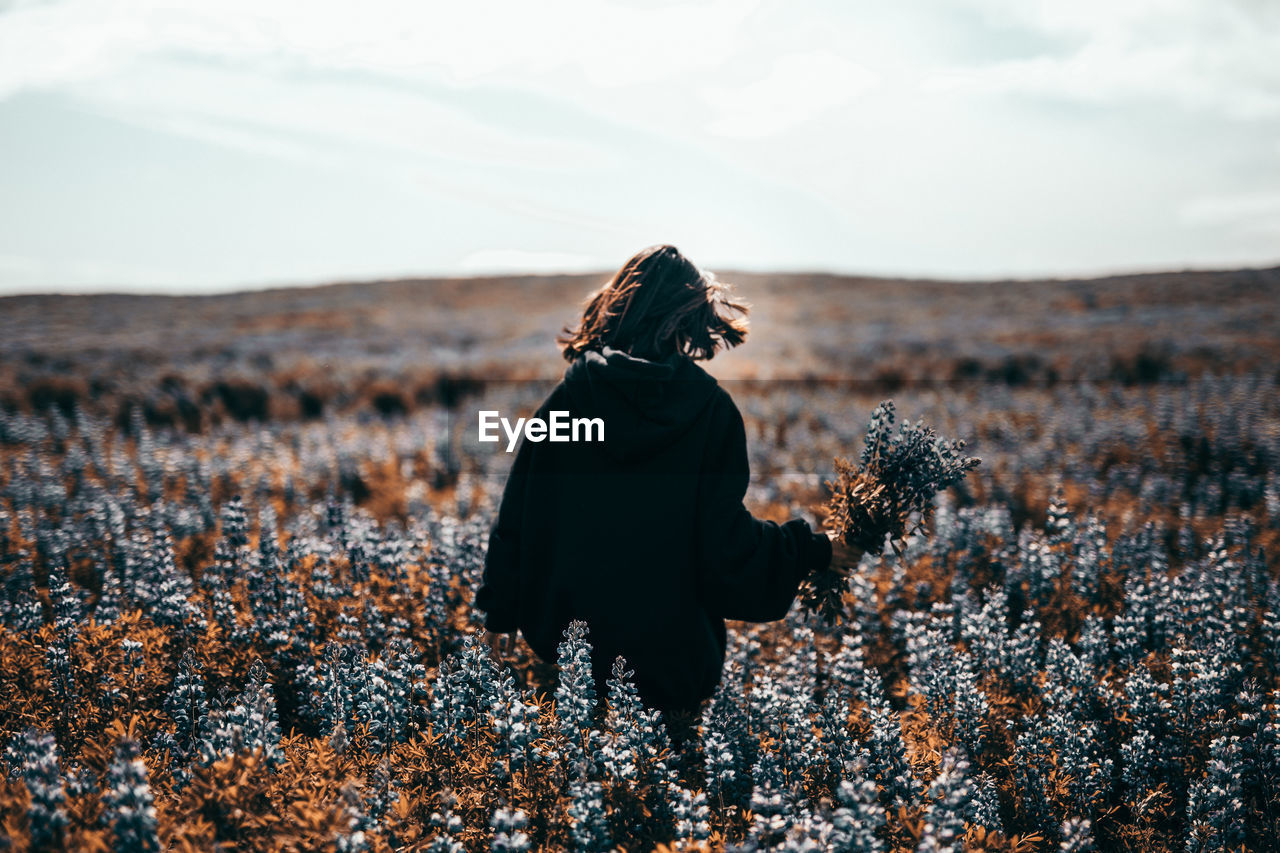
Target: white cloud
pixel 20 274
pixel 799 87
pixel 256 140
pixel 299 117
pixel 520 260
pixel 1240 209
pixel 610 44
pixel 21 265
pixel 1215 57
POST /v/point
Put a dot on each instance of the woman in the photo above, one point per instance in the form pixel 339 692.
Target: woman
pixel 644 535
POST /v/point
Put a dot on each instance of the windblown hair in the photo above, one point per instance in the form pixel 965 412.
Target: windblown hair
pixel 659 304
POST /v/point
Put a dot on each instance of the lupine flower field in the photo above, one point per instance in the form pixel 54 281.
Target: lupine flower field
pixel 257 633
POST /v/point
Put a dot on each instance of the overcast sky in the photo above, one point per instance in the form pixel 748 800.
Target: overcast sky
pixel 153 145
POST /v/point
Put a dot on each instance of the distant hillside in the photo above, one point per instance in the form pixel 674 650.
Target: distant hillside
pixel 300 351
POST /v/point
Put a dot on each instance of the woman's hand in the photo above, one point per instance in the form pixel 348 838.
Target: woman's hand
pixel 843 556
pixel 500 644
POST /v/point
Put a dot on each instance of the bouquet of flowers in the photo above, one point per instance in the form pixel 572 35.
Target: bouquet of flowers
pixel 887 495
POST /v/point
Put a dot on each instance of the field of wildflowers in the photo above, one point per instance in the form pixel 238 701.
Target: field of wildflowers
pixel 260 635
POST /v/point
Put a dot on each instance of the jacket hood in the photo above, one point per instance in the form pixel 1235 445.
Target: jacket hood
pixel 645 405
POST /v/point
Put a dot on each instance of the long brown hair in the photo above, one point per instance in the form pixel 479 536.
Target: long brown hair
pixel 659 304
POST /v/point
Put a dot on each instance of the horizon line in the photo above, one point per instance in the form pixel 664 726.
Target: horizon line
pixel 723 272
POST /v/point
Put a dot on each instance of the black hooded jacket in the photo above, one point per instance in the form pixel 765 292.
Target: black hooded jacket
pixel 644 536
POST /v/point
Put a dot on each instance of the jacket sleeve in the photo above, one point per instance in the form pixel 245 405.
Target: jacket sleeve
pixel 749 569
pixel 499 592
